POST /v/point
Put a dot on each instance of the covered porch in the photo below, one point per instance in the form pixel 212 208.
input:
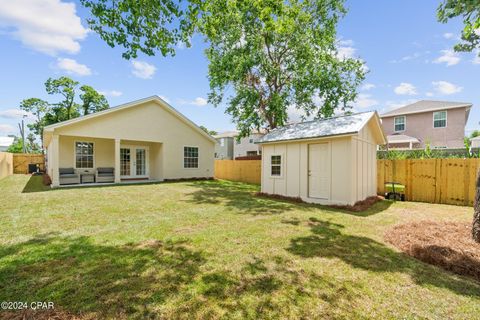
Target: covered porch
pixel 402 142
pixel 74 160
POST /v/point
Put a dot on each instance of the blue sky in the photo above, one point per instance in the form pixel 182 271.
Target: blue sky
pixel 408 53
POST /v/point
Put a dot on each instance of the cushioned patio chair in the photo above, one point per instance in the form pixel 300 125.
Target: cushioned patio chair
pixel 68 176
pixel 105 175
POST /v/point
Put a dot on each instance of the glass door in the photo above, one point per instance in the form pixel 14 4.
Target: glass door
pixel 125 163
pixel 140 162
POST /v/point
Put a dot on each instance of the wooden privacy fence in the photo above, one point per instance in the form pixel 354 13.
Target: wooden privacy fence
pixel 6 164
pixel 239 170
pixel 22 160
pixel 448 181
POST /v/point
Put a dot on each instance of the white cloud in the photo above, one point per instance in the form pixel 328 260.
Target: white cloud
pixel 429 94
pixel 394 104
pixel 476 59
pixel 143 70
pixel 14 114
pixel 364 101
pixel 198 101
pixel 111 93
pixel 48 26
pixel 71 66
pixel 296 115
pixel 449 57
pixel 448 35
pixel 405 88
pixel 7 129
pixel 446 88
pixel 346 52
pixel 367 86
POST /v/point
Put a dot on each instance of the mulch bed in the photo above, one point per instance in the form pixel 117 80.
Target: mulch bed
pixel 448 245
pixel 360 206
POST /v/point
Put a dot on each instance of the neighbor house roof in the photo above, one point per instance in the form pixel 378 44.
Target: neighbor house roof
pixel 49 129
pixel 226 134
pixel 401 138
pixel 6 141
pixel 335 126
pixel 476 138
pixel 425 106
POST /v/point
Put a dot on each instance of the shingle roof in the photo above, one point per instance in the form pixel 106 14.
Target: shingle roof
pixel 319 128
pixel 424 106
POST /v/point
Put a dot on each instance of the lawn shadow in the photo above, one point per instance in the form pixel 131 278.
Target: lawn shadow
pixel 82 277
pixel 377 207
pixel 241 197
pixel 35 184
pixel 328 241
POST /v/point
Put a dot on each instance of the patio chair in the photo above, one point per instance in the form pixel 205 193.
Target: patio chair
pixel 105 175
pixel 68 176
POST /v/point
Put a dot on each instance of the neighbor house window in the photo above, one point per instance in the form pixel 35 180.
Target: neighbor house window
pixel 84 155
pixel 222 142
pixel 250 140
pixel 190 157
pixel 251 153
pixel 399 123
pixel 440 119
pixel 276 165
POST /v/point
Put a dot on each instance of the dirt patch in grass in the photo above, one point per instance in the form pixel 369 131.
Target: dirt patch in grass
pixel 360 206
pixel 448 245
pixel 279 197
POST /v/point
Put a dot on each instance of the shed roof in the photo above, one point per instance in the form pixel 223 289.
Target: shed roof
pixel 425 106
pixel 335 126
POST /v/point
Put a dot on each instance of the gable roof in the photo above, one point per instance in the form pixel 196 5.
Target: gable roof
pixel 425 106
pixel 335 126
pixel 160 101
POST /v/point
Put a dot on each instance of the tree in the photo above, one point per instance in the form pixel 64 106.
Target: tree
pixel 475 133
pixel 92 101
pixel 210 132
pixel 31 144
pixel 469 11
pixel 38 108
pixel 67 108
pixel 274 54
pixel 16 146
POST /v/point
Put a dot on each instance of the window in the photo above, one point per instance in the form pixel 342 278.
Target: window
pixel 250 140
pixel 222 142
pixel 190 157
pixel 276 165
pixel 238 141
pixel 440 119
pixel 84 155
pixel 399 123
pixel 251 153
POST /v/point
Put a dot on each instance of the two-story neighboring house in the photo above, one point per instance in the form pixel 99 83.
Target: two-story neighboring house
pixel 224 145
pixel 441 124
pixel 247 147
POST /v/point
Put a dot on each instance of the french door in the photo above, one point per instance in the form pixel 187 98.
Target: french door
pixel 133 162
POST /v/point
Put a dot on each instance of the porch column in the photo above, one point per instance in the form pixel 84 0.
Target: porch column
pixel 410 145
pixel 55 161
pixel 117 160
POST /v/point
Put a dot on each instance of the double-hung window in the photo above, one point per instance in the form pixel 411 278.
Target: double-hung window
pixel 399 123
pixel 190 157
pixel 276 166
pixel 84 155
pixel 440 119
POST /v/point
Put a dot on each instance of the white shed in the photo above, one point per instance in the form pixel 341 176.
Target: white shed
pixel 328 161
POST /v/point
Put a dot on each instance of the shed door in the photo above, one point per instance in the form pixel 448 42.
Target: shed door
pixel 319 171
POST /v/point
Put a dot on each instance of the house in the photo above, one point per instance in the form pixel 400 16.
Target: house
pixel 5 142
pixel 224 145
pixel 441 124
pixel 247 147
pixel 145 139
pixel 328 161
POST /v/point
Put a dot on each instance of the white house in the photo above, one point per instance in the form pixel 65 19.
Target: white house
pixel 328 161
pixel 145 139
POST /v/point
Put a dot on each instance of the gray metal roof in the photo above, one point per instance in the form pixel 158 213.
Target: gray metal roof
pixel 319 128
pixel 425 106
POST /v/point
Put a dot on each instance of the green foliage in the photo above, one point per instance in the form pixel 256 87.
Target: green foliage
pixel 474 134
pixel 67 108
pixel 92 100
pixel 210 132
pixel 469 11
pixel 145 26
pixel 274 54
pixel 31 146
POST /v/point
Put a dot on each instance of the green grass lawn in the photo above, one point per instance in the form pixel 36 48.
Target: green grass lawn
pixel 210 249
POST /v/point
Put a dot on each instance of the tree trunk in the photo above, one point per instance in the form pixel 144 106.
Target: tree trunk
pixel 476 213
